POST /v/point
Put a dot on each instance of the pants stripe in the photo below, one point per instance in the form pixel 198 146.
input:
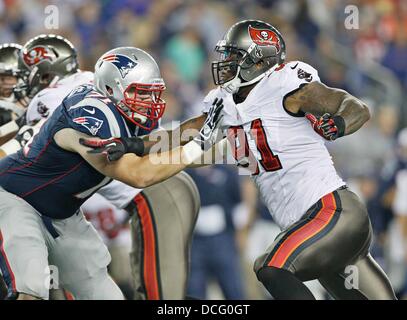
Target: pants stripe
pixel 8 274
pixel 68 295
pixel 306 231
pixel 150 249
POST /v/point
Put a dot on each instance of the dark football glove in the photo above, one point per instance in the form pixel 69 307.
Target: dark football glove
pixel 328 127
pixel 209 132
pixel 114 148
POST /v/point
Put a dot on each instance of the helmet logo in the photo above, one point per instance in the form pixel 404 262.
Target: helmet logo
pixel 264 37
pixel 37 55
pixel 123 63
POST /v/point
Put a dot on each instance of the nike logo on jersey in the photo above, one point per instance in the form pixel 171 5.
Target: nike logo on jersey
pixel 294 66
pixel 89 111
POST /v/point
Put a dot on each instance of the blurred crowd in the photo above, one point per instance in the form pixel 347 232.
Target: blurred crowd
pixel 369 60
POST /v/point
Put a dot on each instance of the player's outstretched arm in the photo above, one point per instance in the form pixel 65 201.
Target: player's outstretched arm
pixel 19 139
pixel 338 112
pixel 9 130
pixel 161 140
pixel 177 136
pixel 138 172
pixel 141 172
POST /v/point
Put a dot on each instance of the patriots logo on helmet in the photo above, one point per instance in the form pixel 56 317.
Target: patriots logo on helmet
pixel 121 62
pixel 37 55
pixel 90 123
pixel 264 37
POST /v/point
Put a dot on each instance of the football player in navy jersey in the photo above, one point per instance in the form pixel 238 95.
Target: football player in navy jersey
pixel 43 185
pixel 52 73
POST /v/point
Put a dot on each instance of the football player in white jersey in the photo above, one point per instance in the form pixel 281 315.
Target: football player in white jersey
pixel 268 107
pixel 11 108
pixel 53 75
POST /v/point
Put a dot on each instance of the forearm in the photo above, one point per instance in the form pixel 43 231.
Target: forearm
pixel 154 168
pixel 318 99
pixel 23 136
pixel 159 167
pixel 8 144
pixel 8 131
pixel 218 154
pixel 354 113
pixel 171 139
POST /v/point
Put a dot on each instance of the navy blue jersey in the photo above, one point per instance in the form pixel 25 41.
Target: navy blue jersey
pixel 54 181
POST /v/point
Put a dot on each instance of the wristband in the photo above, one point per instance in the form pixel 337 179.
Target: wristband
pixel 11 147
pixel 340 124
pixel 8 128
pixel 191 152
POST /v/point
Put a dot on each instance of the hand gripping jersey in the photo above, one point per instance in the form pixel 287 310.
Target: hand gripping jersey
pixel 288 160
pixel 54 181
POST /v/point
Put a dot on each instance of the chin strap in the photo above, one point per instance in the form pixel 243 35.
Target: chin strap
pixel 233 85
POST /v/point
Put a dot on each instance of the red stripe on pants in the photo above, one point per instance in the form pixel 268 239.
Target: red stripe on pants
pixel 149 248
pixel 297 238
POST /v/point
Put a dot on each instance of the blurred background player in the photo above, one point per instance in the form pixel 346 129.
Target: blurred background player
pixel 11 108
pixel 215 251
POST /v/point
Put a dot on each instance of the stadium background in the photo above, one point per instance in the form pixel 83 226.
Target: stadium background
pixel 369 62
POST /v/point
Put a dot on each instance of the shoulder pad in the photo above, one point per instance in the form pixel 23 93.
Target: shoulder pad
pixel 208 100
pixel 298 73
pixel 95 115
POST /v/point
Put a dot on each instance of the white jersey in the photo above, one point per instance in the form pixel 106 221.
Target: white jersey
pixel 108 221
pixel 293 168
pixel 47 100
pixel 44 104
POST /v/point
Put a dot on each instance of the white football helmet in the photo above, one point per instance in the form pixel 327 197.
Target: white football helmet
pixel 130 77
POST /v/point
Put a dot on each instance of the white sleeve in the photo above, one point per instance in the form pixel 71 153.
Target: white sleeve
pixel 33 114
pixel 400 200
pixel 297 74
pixel 118 193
